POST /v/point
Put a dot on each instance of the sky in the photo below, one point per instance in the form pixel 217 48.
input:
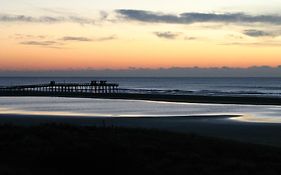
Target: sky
pixel 88 34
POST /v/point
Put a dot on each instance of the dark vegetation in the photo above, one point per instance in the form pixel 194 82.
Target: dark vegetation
pixel 61 149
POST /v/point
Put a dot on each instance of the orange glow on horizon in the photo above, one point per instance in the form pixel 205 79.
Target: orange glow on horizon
pixel 144 50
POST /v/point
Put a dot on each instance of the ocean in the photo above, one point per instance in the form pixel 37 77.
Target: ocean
pixel 196 86
pixel 134 108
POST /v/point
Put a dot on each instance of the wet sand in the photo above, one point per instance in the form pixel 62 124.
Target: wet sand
pixel 212 126
pixel 250 100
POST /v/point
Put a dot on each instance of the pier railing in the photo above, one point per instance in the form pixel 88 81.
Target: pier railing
pixel 94 87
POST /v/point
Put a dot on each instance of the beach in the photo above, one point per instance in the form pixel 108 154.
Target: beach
pixel 258 124
pixel 215 99
pixel 211 126
pixel 66 149
pixel 139 133
pixel 44 144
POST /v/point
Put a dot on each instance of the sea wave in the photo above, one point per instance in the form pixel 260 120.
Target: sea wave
pixel 253 87
pixel 200 92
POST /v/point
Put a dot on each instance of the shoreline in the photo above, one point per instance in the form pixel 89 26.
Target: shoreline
pixel 250 100
pixel 217 126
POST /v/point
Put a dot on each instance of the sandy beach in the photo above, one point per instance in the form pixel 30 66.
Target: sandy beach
pixel 248 100
pixel 218 126
pixel 213 126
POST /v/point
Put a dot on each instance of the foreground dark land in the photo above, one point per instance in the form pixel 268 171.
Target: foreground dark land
pixel 63 149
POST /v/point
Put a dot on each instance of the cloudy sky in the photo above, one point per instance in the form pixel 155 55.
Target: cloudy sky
pixel 110 34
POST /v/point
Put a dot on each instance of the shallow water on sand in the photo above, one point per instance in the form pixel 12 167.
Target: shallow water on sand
pixel 133 108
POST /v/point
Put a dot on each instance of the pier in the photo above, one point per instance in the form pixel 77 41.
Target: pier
pixel 104 90
pixel 94 87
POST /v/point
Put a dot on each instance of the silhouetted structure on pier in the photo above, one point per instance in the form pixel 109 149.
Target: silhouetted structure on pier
pixel 95 87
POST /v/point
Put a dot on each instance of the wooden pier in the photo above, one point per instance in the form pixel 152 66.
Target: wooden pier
pixel 94 87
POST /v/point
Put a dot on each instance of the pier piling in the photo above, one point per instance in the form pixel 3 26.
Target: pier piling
pixel 94 87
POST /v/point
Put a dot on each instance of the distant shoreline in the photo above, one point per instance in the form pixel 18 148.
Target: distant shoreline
pixel 157 97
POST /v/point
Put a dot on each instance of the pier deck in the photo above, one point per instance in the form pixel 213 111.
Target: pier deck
pixel 94 87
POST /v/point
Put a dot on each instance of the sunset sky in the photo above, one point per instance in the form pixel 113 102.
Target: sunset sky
pixel 110 34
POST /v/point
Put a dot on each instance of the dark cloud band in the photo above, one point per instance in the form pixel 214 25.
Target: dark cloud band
pixel 45 19
pixel 189 18
pixel 261 71
pixel 167 35
pixel 74 38
pixel 39 43
pixel 71 38
pixel 259 33
pixel 58 43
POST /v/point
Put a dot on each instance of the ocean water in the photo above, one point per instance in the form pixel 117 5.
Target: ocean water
pixel 196 86
pixel 132 108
